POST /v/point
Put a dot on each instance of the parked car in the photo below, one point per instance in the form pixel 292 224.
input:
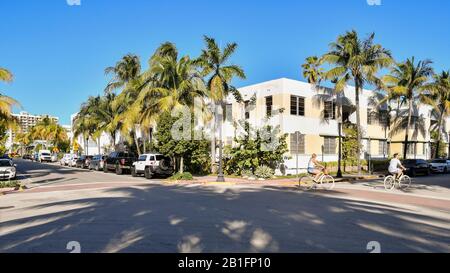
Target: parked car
pixel 72 161
pixel 5 156
pixel 27 157
pixel 119 162
pixel 44 156
pixel 54 157
pixel 83 161
pixel 7 169
pixel 97 162
pixel 152 164
pixel 65 159
pixel 416 166
pixel 439 166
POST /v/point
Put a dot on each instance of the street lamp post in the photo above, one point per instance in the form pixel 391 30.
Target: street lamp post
pixel 220 176
pixel 297 142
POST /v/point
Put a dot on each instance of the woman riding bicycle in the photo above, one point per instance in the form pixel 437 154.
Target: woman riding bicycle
pixel 315 168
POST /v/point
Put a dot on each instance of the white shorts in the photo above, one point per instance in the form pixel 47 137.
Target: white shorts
pixel 396 171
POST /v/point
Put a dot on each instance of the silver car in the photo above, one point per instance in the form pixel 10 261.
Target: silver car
pixel 7 169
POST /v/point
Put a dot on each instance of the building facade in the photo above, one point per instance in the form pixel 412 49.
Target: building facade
pixel 310 118
pixel 26 122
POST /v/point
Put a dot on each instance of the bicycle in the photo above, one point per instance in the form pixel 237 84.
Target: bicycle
pixel 403 182
pixel 325 181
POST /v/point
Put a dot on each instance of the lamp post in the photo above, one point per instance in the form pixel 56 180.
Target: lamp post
pixel 220 176
pixel 297 142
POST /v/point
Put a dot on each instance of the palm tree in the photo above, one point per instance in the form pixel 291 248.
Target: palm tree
pixel 127 69
pixel 171 83
pixel 214 62
pixel 439 98
pixel 358 61
pixel 408 81
pixel 106 114
pixel 312 70
pixel 47 130
pixel 7 103
pixel 127 75
pixel 5 75
pixel 86 122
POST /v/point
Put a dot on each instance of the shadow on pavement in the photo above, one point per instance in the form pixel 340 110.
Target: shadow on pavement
pixel 159 218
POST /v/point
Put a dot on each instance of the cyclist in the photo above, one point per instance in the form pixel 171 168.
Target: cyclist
pixel 315 168
pixel 396 168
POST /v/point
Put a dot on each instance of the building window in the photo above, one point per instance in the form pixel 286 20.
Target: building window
pixel 329 110
pixel 297 148
pixel 382 147
pixel 269 105
pixel 297 106
pixel 411 148
pixel 247 109
pixel 229 141
pixel 229 112
pixel 424 148
pixel 370 117
pixel 383 118
pixel 329 146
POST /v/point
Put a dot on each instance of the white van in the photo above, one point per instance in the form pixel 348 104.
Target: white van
pixel 45 156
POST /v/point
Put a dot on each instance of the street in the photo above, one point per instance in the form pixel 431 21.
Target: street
pixel 110 213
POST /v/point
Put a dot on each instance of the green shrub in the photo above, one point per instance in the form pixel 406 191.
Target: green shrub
pixel 247 173
pixel 264 172
pixel 182 176
pixel 9 184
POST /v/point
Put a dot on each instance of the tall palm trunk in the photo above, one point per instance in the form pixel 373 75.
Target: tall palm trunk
pixel 439 137
pixel 136 142
pixel 181 165
pixel 98 145
pixel 339 171
pixel 405 148
pixel 358 125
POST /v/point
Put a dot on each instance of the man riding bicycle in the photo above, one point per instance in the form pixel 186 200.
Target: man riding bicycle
pixel 315 168
pixel 395 167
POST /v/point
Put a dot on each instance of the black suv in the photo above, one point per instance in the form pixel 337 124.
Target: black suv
pixel 119 162
pixel 83 161
pixel 416 166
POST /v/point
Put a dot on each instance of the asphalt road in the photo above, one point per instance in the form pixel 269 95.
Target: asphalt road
pixel 137 215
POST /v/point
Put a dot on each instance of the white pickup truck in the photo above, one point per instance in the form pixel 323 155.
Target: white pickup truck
pixel 151 165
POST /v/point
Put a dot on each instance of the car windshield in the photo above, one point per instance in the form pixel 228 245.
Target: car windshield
pixel 161 157
pixel 409 161
pixel 5 163
pixel 439 161
pixel 46 154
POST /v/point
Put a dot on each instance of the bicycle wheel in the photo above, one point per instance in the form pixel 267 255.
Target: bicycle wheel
pixel 389 182
pixel 327 182
pixel 306 183
pixel 404 182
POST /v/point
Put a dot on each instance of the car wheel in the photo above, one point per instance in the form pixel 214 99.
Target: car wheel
pixel 133 172
pixel 118 170
pixel 445 170
pixel 428 172
pixel 148 173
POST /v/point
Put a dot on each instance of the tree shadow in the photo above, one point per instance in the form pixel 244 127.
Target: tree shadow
pixel 157 218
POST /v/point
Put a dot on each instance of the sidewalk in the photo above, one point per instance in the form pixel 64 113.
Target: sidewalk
pixel 272 182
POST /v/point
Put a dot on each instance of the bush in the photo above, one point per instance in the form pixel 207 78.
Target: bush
pixel 182 176
pixel 247 173
pixel 264 172
pixel 9 184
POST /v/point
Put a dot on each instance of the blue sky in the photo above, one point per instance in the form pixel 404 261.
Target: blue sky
pixel 58 52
